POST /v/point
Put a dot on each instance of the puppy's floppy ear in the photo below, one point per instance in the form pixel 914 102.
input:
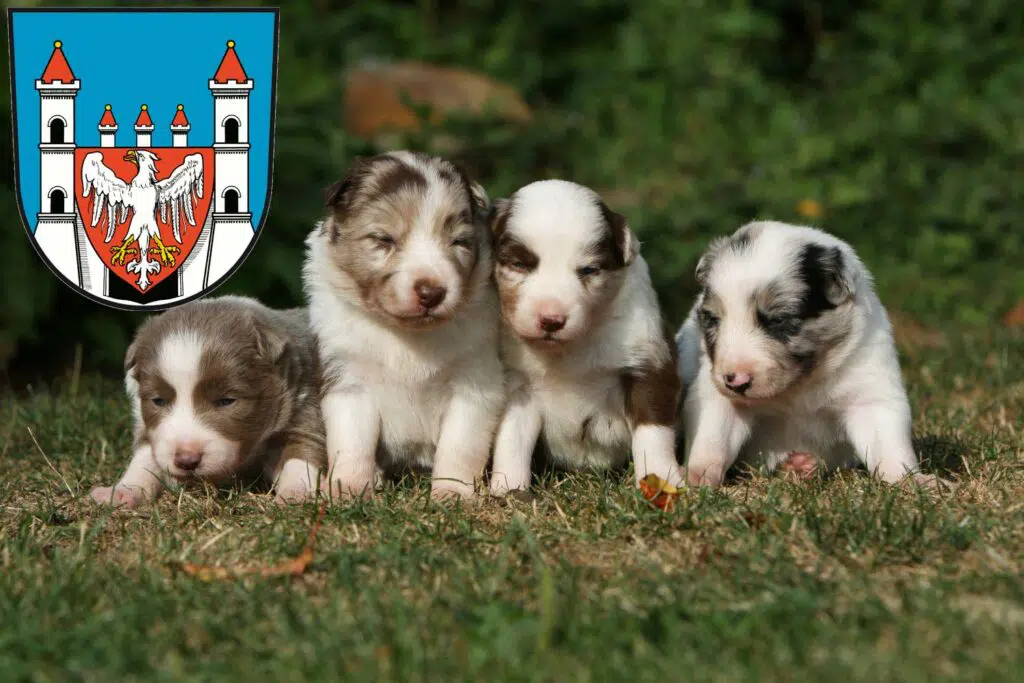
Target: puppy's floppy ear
pixel 626 244
pixel 131 357
pixel 707 259
pixel 270 343
pixel 498 216
pixel 339 193
pixel 826 268
pixel 478 198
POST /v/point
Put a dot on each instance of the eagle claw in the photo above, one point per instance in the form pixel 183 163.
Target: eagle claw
pixel 165 253
pixel 120 252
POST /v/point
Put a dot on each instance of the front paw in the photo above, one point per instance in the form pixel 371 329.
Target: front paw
pixel 118 496
pixel 349 487
pixel 449 490
pixel 928 482
pixel 293 494
pixel 799 464
pixel 710 476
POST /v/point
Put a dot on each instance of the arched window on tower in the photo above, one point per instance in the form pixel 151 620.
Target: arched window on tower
pixel 57 200
pixel 231 130
pixel 57 131
pixel 231 201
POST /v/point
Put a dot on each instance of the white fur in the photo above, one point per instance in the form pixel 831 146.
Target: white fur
pixel 853 405
pixel 429 398
pixel 554 389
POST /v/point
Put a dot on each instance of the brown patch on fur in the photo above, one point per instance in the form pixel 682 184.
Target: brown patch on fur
pixel 513 257
pixel 653 392
pixel 613 250
pixel 372 220
pixel 260 361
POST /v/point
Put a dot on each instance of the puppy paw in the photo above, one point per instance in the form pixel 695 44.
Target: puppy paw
pixel 799 464
pixel 118 496
pixel 349 488
pixel 449 490
pixel 710 476
pixel 293 495
pixel 928 482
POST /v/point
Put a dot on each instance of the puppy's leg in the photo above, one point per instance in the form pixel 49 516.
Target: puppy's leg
pixel 139 484
pixel 352 429
pixel 718 433
pixel 513 448
pixel 652 397
pixel 880 433
pixel 303 455
pixel 467 434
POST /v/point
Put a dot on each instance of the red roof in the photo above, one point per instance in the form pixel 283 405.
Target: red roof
pixel 179 117
pixel 230 68
pixel 108 117
pixel 144 119
pixel 57 69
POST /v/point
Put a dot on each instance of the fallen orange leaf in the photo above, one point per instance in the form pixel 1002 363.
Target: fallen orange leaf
pixel 659 492
pixel 293 567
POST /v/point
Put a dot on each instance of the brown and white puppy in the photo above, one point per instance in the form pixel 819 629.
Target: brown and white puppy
pixel 222 390
pixel 788 357
pixel 591 370
pixel 406 318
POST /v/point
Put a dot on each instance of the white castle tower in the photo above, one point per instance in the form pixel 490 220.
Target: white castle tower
pixel 180 128
pixel 232 221
pixel 108 128
pixel 144 128
pixel 55 223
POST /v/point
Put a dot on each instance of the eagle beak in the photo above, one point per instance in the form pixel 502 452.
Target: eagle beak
pixel 130 156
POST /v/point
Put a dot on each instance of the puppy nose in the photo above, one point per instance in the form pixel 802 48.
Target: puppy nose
pixel 738 381
pixel 430 294
pixel 551 323
pixel 187 456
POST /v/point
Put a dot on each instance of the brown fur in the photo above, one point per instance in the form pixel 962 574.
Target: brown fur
pixel 261 360
pixel 653 393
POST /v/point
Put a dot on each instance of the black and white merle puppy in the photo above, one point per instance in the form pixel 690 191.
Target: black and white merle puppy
pixel 788 354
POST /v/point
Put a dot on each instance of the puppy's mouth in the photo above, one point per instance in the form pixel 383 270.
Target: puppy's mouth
pixel 424 320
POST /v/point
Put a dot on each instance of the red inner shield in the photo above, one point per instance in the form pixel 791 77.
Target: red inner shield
pixel 169 159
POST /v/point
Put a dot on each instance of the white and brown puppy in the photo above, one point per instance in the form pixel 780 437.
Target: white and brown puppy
pixel 222 390
pixel 788 350
pixel 406 317
pixel 591 368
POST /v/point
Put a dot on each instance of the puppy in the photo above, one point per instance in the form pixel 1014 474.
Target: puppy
pixel 406 318
pixel 788 351
pixel 591 368
pixel 221 389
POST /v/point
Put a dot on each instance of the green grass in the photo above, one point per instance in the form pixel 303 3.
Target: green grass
pixel 837 579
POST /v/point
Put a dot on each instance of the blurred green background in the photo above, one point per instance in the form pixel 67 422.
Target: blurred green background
pixel 898 125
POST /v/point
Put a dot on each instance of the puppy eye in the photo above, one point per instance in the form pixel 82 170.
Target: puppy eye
pixel 588 270
pixel 159 402
pixel 777 322
pixel 465 242
pixel 382 239
pixel 224 401
pixel 708 318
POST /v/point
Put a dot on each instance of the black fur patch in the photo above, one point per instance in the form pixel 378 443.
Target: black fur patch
pixel 820 270
pixel 708 324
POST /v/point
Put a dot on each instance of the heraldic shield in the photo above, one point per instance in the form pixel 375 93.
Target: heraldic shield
pixel 144 164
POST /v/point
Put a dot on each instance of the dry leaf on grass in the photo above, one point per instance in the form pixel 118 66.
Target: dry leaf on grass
pixel 659 492
pixel 293 567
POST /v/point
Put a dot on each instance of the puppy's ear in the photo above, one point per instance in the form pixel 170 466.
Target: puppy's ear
pixel 337 195
pixel 131 357
pixel 270 344
pixel 626 244
pixel 478 198
pixel 826 268
pixel 707 259
pixel 498 216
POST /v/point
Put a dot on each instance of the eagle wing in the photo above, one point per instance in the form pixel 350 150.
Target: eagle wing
pixel 109 192
pixel 181 191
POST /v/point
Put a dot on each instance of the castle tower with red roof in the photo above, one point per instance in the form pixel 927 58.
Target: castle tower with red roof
pixel 180 128
pixel 232 221
pixel 107 128
pixel 55 224
pixel 144 128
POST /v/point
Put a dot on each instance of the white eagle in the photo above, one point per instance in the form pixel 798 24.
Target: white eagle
pixel 180 191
